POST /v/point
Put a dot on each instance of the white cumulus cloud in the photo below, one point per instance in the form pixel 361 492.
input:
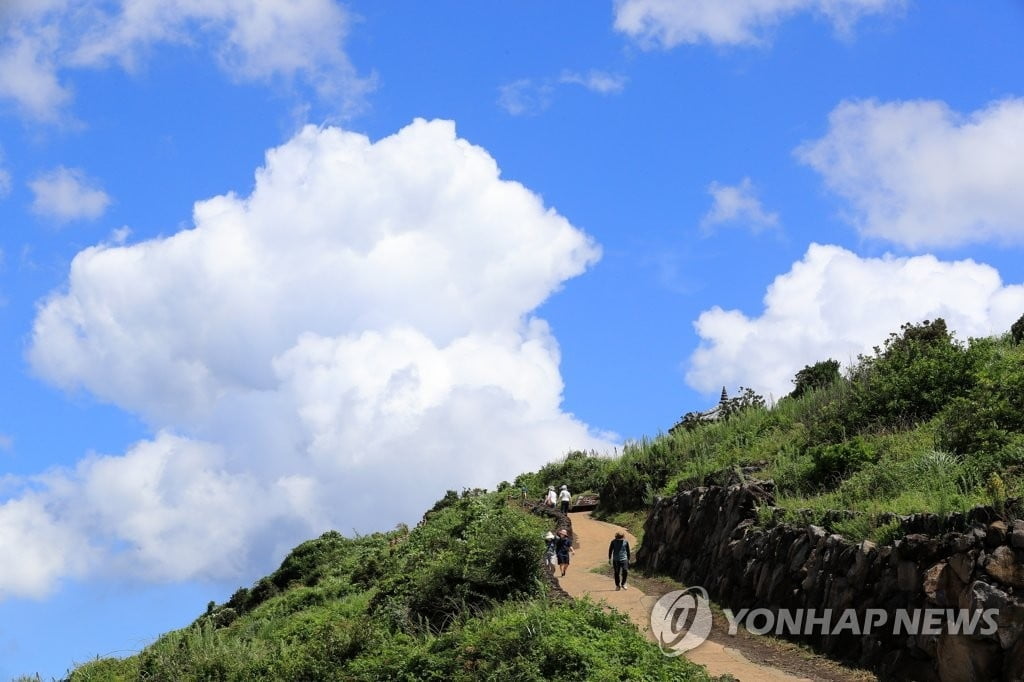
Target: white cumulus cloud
pixel 251 40
pixel 919 174
pixel 835 304
pixel 667 23
pixel 333 350
pixel 66 194
pixel 737 204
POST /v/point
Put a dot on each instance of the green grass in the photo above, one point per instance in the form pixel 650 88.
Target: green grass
pixel 920 426
pixel 460 597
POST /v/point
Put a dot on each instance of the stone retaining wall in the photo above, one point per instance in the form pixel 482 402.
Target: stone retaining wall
pixel 709 536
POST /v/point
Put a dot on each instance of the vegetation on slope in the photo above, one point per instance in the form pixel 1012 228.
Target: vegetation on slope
pixel 460 597
pixel 923 424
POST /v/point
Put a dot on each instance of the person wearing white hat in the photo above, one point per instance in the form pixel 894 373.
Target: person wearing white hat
pixel 564 497
pixel 551 498
pixel 550 560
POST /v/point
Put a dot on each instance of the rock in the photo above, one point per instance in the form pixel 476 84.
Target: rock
pixel 1003 566
pixel 1013 665
pixel 1017 539
pixel 901 665
pixel 996 534
pixel 862 559
pixel 1011 625
pixel 961 542
pixel 799 552
pixel 963 566
pixel 979 596
pixel 940 584
pixel 915 547
pixel 906 575
pixel 962 659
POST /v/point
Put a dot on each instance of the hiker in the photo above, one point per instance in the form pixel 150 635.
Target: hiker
pixel 550 560
pixel 551 497
pixel 564 498
pixel 563 548
pixel 618 556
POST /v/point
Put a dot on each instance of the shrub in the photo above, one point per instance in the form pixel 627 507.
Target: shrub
pixel 578 470
pixel 817 376
pixel 833 463
pixel 992 409
pixel 1017 330
pixel 910 379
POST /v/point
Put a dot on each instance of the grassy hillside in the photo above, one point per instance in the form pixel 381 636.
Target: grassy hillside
pixel 460 597
pixel 923 424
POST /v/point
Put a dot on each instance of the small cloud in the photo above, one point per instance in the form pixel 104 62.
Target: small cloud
pixel 600 82
pixel 737 204
pixel 524 97
pixel 28 76
pixel 5 177
pixel 6 442
pixel 666 24
pixel 67 194
pixel 120 235
pixel 529 96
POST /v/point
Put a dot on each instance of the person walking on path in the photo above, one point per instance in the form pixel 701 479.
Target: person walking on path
pixel 549 552
pixel 564 497
pixel 618 555
pixel 563 548
pixel 551 497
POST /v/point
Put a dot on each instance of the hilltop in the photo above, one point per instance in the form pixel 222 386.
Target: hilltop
pixel 925 423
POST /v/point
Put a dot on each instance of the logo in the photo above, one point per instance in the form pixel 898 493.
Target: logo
pixel 681 620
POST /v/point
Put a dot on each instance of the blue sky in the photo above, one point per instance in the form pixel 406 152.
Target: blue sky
pixel 272 268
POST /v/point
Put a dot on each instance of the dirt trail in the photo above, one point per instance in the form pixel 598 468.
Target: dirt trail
pixel 592 538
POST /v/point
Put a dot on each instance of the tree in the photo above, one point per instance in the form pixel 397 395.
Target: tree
pixel 747 399
pixel 1017 330
pixel 910 378
pixel 818 375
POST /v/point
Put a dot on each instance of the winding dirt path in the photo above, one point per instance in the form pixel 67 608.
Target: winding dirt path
pixel 592 538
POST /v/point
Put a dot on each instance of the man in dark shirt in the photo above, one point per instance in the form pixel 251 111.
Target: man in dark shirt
pixel 618 555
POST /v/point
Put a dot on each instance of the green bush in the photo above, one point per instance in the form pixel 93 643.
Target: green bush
pixel 986 416
pixel 835 462
pixel 910 379
pixel 1017 330
pixel 580 471
pixel 813 377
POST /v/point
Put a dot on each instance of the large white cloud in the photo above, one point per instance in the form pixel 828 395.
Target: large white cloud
pixel 668 23
pixel 252 40
pixel 333 350
pixel 920 174
pixel 835 304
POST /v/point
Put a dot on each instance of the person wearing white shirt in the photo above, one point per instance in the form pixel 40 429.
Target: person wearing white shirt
pixel 564 497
